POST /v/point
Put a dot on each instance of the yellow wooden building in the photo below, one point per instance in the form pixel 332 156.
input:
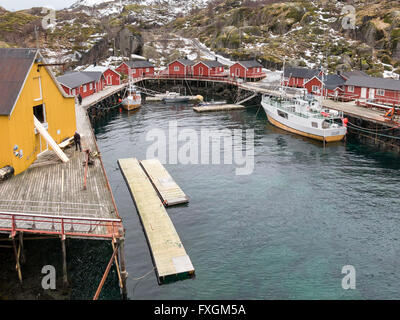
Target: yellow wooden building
pixel 28 89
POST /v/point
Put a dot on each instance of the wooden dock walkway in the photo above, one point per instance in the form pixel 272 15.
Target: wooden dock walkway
pixel 101 95
pixel 48 198
pixel 169 256
pixel 221 107
pixel 350 108
pixel 169 192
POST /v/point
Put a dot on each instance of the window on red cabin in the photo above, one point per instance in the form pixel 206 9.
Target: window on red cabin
pixel 176 68
pixel 315 89
pixel 350 88
pixel 380 92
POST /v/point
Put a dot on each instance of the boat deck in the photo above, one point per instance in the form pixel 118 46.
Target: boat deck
pixel 169 192
pixel 169 256
pixel 49 197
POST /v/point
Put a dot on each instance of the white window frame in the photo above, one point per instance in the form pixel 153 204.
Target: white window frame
pixel 380 92
pixel 315 89
pixel 40 89
pixel 91 86
pixel 350 89
pixel 177 68
pixel 84 88
pixel 133 71
pixel 147 70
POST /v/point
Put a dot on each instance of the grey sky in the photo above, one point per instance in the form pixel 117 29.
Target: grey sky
pixel 27 4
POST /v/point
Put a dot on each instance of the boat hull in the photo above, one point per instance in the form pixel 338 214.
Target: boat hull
pixel 304 134
pixel 130 107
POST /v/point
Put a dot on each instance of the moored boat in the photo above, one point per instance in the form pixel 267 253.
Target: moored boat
pixel 305 117
pixel 133 100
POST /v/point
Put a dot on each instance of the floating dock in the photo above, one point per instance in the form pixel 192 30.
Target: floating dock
pixel 221 107
pixel 170 193
pixel 169 256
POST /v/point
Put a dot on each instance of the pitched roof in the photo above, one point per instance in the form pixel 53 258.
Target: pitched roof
pixel 301 72
pixel 348 74
pixel 186 62
pixel 331 81
pixel 139 64
pixel 15 65
pixel 250 64
pixel 76 79
pixel 372 82
pixel 211 63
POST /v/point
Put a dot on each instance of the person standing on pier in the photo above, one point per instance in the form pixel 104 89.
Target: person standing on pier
pixel 77 140
pixel 80 99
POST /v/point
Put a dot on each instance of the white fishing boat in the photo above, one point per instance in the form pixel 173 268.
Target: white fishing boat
pixel 133 100
pixel 305 117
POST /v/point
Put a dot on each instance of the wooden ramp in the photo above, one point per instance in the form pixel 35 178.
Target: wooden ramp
pixel 222 107
pixel 169 256
pixel 167 189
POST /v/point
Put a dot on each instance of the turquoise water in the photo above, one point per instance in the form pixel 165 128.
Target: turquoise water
pixel 283 232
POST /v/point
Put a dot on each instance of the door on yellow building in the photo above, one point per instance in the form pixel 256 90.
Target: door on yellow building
pixel 41 144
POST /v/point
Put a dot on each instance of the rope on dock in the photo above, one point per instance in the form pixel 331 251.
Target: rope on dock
pixel 355 127
pixel 142 277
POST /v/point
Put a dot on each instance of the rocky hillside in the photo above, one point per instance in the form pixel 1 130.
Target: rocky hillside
pixel 305 33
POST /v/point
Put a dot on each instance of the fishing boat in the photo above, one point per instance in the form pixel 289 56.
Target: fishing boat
pixel 305 117
pixel 133 100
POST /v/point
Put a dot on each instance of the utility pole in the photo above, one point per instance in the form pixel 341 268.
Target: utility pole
pixel 37 37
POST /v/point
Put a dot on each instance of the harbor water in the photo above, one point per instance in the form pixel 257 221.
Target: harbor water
pixel 283 232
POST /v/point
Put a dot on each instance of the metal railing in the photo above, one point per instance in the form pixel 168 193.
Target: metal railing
pixel 58 218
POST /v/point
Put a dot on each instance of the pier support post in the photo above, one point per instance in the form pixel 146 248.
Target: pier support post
pixel 17 259
pixel 21 245
pixel 124 274
pixel 64 257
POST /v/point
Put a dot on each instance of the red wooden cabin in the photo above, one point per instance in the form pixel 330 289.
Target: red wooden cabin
pixel 208 68
pixel 247 70
pixel 136 68
pixel 181 67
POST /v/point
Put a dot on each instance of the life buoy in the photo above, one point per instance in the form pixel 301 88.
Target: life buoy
pixel 325 114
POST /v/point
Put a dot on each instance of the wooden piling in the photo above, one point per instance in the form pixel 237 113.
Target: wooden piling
pixel 124 274
pixel 64 257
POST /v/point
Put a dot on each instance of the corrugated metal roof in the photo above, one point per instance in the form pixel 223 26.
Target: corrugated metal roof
pixel 15 65
pixel 304 73
pixel 372 82
pixel 186 62
pixel 139 64
pixel 212 63
pixel 76 79
pixel 250 64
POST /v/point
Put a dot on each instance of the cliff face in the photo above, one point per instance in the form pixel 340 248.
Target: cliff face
pixel 305 33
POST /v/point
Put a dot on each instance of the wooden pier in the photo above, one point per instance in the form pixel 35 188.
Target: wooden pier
pixel 170 193
pixel 53 198
pixel 169 256
pixel 221 107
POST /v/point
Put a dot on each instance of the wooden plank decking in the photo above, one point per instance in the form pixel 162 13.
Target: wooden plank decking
pixel 169 192
pixel 222 107
pixel 169 255
pixel 49 196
